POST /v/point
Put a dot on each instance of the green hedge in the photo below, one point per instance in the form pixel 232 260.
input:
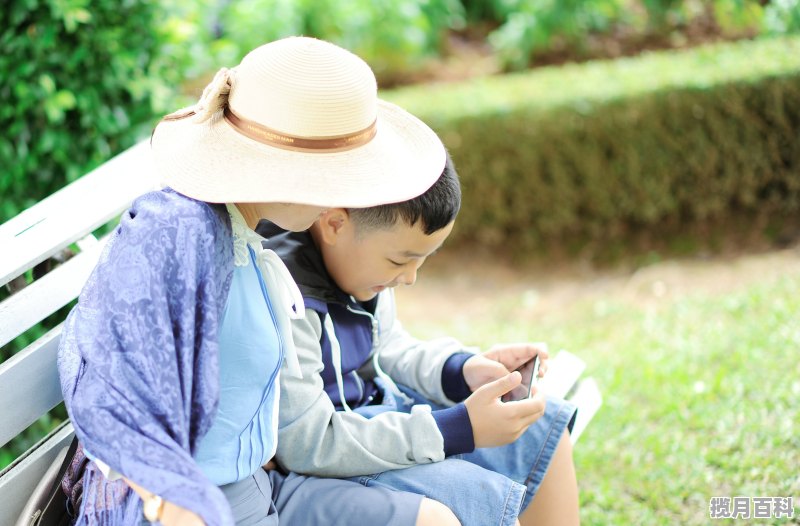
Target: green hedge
pixel 79 82
pixel 592 151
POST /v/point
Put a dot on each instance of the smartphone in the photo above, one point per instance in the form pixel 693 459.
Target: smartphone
pixel 530 374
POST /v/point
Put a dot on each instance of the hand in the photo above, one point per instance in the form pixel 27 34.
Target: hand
pixel 502 359
pixel 513 355
pixel 171 514
pixel 495 423
pixel 480 370
pixel 174 515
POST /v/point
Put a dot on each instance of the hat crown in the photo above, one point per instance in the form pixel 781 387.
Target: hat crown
pixel 305 87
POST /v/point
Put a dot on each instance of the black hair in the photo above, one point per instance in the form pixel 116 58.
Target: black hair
pixel 436 208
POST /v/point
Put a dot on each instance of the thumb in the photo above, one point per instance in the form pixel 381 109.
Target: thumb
pixel 499 387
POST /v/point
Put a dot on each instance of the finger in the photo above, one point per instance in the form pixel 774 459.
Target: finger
pixel 497 369
pixel 479 370
pixel 537 395
pixel 537 409
pixel 512 354
pixel 528 351
pixel 531 418
pixel 499 387
pixel 525 408
pixel 485 364
pixel 542 350
pixel 543 367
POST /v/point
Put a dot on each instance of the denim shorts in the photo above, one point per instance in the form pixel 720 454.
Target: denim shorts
pixel 490 486
pixel 270 498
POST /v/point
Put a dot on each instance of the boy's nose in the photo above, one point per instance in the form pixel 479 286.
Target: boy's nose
pixel 408 277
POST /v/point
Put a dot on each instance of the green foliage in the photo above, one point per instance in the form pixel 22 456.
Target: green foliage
pixel 392 36
pixel 397 37
pixel 528 28
pixel 592 150
pixel 79 82
pixel 32 435
pixel 782 17
pixel 660 11
pixel 531 26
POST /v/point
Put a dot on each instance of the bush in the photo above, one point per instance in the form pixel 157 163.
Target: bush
pixel 79 83
pixel 393 37
pixel 523 30
pixel 590 151
pixel 532 26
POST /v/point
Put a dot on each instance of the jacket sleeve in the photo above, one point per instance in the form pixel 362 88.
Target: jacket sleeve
pixel 414 363
pixel 138 354
pixel 315 439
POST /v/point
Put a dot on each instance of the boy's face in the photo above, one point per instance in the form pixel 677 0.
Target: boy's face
pixel 363 263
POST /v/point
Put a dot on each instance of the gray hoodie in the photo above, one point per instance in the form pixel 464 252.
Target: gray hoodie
pixel 316 439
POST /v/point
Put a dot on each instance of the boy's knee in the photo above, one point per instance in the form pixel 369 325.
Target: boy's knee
pixel 434 513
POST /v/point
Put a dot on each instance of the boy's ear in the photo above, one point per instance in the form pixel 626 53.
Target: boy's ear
pixel 332 223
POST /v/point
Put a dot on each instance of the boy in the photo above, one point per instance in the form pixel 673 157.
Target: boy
pixel 346 417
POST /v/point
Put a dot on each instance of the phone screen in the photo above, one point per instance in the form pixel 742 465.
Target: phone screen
pixel 530 374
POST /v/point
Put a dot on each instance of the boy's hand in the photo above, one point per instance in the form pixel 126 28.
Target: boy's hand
pixel 480 370
pixel 513 355
pixel 500 360
pixel 495 423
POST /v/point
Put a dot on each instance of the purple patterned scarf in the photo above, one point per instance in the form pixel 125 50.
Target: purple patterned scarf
pixel 138 357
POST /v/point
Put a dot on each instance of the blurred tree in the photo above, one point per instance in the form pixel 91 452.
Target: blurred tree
pixel 79 82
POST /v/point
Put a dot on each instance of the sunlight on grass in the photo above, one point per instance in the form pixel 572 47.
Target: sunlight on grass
pixel 700 397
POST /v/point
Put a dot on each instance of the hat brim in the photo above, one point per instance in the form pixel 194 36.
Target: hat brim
pixel 213 162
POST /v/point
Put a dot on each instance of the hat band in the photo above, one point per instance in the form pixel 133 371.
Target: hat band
pixel 265 135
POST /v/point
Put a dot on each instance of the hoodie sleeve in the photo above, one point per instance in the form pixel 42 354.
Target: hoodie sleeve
pixel 315 439
pixel 433 368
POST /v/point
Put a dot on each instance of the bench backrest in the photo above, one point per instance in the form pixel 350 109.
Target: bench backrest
pixel 29 385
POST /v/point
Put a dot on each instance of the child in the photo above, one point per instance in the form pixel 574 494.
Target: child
pixel 347 417
pixel 169 363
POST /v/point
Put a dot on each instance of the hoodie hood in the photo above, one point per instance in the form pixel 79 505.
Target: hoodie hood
pixel 303 259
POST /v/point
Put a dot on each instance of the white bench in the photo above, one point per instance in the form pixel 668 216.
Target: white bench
pixel 29 385
pixel 563 380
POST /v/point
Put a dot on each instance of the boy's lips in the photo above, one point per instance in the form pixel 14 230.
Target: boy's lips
pixel 381 288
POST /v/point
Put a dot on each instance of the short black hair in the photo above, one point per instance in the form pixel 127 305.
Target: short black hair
pixel 436 208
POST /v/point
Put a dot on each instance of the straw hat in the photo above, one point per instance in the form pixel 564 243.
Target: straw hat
pixel 298 121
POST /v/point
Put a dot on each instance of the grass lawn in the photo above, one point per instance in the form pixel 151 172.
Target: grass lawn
pixel 700 387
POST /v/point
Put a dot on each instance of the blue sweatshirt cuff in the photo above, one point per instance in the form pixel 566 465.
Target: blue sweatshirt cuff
pixel 453 384
pixel 456 429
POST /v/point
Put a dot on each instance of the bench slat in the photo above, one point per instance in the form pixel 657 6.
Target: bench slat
pixel 74 211
pixel 46 295
pixel 588 399
pixel 29 385
pixel 563 380
pixel 563 372
pixel 18 482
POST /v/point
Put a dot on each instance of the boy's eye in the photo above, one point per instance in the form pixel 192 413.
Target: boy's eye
pixel 395 263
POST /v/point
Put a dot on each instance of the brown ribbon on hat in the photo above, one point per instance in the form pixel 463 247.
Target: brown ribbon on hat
pixel 265 135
